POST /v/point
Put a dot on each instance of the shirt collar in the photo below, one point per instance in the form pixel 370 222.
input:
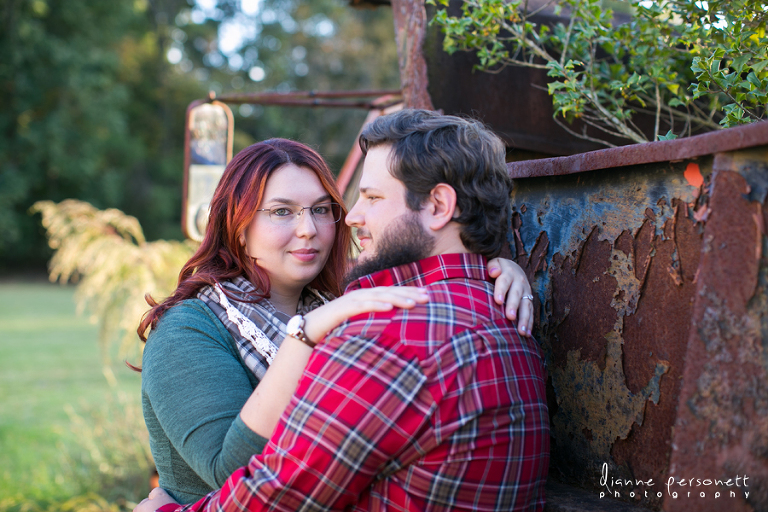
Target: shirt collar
pixel 427 271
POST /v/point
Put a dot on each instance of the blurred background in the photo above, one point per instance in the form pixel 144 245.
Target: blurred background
pixel 93 96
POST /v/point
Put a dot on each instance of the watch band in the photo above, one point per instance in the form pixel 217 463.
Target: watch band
pixel 295 328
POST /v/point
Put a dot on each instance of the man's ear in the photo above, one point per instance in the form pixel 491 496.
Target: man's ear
pixel 441 206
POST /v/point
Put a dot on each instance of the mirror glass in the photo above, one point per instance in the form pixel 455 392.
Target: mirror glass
pixel 208 149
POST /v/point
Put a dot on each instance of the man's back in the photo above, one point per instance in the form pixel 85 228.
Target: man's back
pixel 438 407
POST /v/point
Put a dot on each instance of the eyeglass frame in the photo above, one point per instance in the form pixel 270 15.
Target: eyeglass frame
pixel 296 216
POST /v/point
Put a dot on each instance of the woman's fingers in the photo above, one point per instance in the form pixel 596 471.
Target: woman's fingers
pixel 525 309
pixel 157 492
pixel 325 318
pixel 525 314
pixel 385 298
pixel 400 296
pixel 510 288
pixel 513 299
pixel 507 274
pixel 157 498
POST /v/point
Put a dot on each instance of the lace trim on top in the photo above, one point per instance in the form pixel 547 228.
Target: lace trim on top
pixel 248 330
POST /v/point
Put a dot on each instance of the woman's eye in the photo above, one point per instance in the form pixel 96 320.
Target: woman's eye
pixel 282 212
pixel 321 210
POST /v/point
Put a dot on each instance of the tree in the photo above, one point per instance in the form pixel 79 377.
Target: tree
pixel 94 95
pixel 81 83
pixel 57 95
pixel 691 65
pixel 290 45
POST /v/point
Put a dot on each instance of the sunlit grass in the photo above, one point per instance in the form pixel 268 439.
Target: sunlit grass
pixel 51 374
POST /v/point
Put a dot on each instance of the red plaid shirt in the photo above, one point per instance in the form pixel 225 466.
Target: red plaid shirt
pixel 440 407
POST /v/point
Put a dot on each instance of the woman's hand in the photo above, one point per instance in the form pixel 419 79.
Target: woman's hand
pixel 365 300
pixel 262 411
pixel 157 498
pixel 512 283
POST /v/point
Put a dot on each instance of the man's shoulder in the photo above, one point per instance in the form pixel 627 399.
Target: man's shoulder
pixel 454 305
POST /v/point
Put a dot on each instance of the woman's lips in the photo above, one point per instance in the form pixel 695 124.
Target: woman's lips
pixel 305 254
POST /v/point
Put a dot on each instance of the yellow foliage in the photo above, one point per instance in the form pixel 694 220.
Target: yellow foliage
pixel 105 252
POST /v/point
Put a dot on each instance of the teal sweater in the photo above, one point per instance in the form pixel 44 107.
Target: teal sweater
pixel 193 385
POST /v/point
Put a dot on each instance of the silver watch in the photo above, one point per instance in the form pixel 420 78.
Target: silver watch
pixel 295 328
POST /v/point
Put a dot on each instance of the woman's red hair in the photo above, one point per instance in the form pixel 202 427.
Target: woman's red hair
pixel 237 197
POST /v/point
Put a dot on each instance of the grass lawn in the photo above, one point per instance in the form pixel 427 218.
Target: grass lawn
pixel 49 361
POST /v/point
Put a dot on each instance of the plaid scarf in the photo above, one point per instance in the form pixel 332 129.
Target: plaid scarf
pixel 257 327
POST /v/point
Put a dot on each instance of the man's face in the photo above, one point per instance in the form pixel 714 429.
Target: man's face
pixel 390 233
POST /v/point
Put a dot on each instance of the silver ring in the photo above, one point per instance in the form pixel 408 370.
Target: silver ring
pixel 529 297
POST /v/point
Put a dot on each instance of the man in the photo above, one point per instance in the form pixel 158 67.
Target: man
pixel 440 407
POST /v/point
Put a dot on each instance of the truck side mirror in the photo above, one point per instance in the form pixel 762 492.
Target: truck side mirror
pixel 208 134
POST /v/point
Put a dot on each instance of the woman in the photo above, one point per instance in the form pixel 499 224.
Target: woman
pixel 276 245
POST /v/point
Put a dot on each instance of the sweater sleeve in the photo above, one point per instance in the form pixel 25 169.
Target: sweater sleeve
pixel 196 385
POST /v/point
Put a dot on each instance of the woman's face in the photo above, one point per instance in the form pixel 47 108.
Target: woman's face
pixel 291 255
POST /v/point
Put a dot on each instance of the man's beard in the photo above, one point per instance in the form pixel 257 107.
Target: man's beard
pixel 405 241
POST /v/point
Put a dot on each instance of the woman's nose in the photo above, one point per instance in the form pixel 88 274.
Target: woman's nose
pixel 305 224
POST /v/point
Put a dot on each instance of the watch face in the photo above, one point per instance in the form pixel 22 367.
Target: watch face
pixel 294 325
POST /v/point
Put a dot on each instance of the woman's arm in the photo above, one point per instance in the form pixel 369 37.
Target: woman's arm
pixel 263 409
pixel 194 385
pixel 512 283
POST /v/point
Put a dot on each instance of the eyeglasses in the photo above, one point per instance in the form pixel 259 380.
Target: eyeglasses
pixel 288 215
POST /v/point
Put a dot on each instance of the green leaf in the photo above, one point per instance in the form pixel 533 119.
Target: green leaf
pixel 758 66
pixel 738 62
pixel 714 67
pixel 752 79
pixel 668 136
pixel 718 54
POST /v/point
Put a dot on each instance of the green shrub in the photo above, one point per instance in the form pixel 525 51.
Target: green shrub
pixel 692 65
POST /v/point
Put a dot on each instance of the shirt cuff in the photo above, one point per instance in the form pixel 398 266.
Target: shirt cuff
pixel 169 507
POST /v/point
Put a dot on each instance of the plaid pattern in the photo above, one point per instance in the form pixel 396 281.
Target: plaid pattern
pixel 257 327
pixel 441 407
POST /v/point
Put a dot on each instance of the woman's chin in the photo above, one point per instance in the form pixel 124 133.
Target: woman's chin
pixel 303 278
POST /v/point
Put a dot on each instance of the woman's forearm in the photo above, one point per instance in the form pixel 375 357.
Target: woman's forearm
pixel 266 404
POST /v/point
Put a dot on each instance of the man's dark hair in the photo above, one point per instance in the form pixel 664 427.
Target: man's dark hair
pixel 429 148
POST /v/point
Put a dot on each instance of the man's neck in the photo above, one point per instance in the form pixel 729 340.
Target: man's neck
pixel 425 271
pixel 448 241
pixel 449 247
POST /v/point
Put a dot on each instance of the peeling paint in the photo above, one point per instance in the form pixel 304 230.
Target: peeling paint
pixel 724 423
pixel 616 262
pixel 610 201
pixel 628 285
pixel 693 175
pixel 598 401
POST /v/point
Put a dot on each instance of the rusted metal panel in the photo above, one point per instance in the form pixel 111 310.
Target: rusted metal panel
pixel 603 280
pixel 746 136
pixel 722 424
pixel 651 304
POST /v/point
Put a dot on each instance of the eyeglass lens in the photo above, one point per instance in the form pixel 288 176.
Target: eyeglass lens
pixel 324 213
